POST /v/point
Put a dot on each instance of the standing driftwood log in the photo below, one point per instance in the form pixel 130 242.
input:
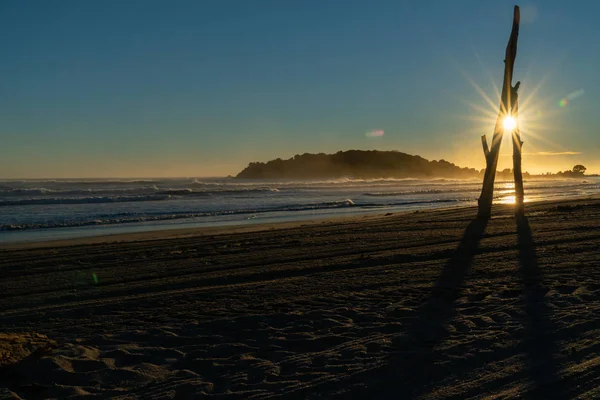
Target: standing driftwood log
pixel 517 146
pixel 506 109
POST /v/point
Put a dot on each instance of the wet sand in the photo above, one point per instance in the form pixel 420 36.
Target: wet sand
pixel 430 305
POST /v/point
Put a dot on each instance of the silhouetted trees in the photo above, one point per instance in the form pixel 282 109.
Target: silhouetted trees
pixel 376 164
pixel 356 164
pixel 577 172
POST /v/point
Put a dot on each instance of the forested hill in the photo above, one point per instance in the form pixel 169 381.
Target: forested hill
pixel 355 164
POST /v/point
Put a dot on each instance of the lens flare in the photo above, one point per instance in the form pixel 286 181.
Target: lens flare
pixel 375 133
pixel 509 123
pixel 571 96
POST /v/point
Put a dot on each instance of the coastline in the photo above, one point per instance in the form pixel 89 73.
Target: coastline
pixel 178 233
pixel 174 233
pixel 331 309
pixel 34 211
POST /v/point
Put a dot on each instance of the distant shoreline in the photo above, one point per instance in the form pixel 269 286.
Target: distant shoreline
pixel 177 233
pixel 39 212
pixel 377 164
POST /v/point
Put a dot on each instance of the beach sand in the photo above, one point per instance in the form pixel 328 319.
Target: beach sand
pixel 430 305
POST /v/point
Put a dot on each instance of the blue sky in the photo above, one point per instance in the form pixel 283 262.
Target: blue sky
pixel 200 88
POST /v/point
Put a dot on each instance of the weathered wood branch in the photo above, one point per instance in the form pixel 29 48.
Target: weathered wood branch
pixel 486 150
pixel 517 151
pixel 506 108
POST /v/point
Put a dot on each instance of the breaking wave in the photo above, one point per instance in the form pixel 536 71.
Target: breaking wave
pixel 81 200
pixel 413 192
pixel 45 204
pixel 132 217
pixel 39 196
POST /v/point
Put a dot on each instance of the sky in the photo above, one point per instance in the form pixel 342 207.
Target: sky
pixel 146 88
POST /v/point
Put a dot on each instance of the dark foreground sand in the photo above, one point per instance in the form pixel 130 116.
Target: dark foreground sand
pixel 431 305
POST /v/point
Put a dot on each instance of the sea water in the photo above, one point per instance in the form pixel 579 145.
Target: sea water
pixel 32 210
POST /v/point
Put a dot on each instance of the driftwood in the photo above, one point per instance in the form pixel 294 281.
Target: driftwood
pixel 517 146
pixel 508 102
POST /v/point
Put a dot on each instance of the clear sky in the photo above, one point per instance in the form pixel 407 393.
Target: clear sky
pixel 200 88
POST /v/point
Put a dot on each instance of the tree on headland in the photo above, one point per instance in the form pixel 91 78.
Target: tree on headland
pixel 577 172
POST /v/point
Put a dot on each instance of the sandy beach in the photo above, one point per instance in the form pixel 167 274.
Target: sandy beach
pixel 428 305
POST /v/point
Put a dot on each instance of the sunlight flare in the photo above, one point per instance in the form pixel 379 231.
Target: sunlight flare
pixel 535 112
pixel 509 123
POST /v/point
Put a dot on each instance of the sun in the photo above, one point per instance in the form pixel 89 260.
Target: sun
pixel 509 123
pixel 531 121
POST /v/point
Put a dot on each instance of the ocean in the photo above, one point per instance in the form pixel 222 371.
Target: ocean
pixel 33 210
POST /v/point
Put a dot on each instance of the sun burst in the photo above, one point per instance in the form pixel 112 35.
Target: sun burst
pixel 510 123
pixel 531 121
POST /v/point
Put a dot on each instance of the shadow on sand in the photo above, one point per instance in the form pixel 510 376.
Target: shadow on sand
pixel 539 329
pixel 407 371
pixel 438 308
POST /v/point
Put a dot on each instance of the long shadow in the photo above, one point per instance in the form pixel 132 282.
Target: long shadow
pixel 439 306
pixel 408 372
pixel 539 330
